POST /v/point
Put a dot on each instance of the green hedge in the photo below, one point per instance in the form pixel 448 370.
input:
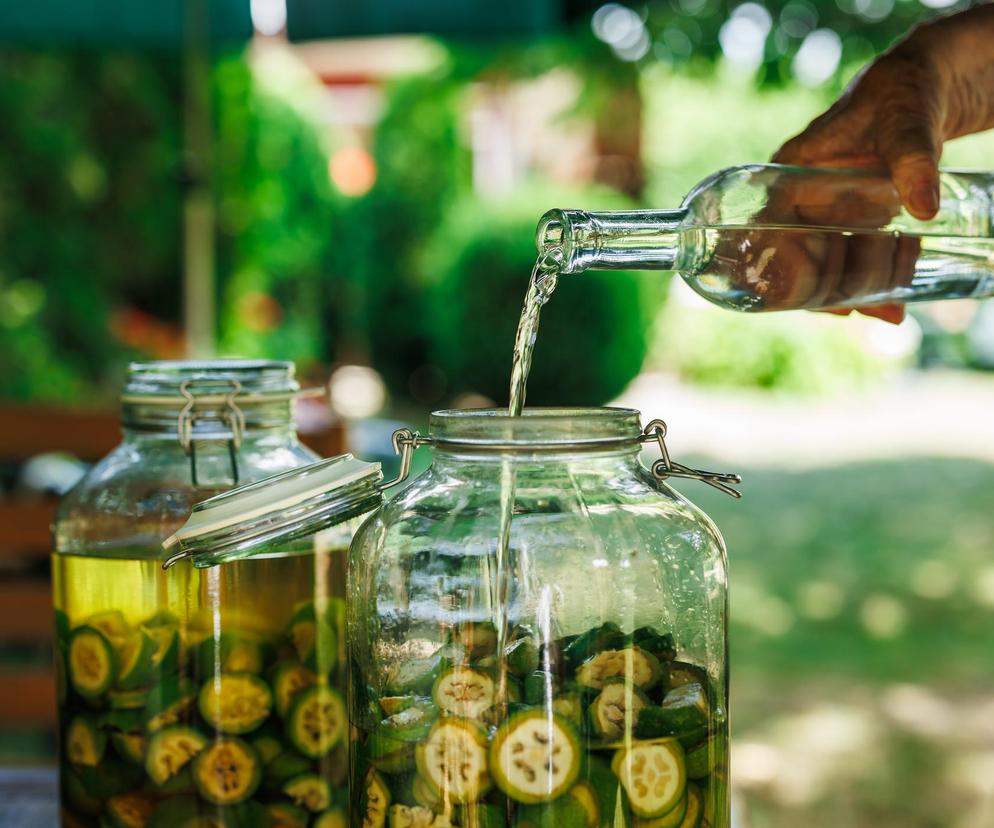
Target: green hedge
pixel 595 330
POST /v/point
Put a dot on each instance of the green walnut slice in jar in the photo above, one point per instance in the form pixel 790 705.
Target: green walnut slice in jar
pixel 585 749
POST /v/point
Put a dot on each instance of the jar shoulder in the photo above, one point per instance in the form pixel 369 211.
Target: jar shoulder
pixel 439 506
pixel 142 491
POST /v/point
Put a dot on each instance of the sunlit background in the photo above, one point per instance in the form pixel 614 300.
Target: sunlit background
pixel 358 192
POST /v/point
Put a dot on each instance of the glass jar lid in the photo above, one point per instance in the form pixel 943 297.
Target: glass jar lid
pixel 281 508
pixel 170 382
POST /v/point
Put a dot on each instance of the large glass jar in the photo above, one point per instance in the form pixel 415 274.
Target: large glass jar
pixel 136 643
pixel 537 634
pixel 268 746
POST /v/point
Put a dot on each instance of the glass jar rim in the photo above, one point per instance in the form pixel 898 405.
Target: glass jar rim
pixel 538 429
pixel 170 381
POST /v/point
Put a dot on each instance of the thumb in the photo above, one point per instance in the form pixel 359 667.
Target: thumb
pixel 908 141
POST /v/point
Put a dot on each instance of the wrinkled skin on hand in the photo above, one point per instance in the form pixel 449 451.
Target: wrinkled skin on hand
pixel 820 269
pixel 936 84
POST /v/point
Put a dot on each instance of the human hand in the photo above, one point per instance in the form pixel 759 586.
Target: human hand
pixel 936 84
pixel 805 249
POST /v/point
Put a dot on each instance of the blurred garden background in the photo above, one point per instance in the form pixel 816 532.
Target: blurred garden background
pixel 359 192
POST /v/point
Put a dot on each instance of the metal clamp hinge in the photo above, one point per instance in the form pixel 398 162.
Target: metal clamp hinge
pixel 665 467
pixel 233 417
pixel 404 442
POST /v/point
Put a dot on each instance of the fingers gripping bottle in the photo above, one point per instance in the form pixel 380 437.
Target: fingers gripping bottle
pixel 766 237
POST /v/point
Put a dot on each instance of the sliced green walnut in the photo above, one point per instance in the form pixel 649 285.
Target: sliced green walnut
pixel 653 775
pixel 462 691
pixel 661 645
pixel 695 807
pixel 608 636
pixel 682 673
pixel 310 791
pixel 425 793
pixel 135 653
pixel 389 755
pixel 375 800
pixel 611 800
pixel 169 702
pixel 170 750
pixel 227 772
pixel 111 623
pixel 314 639
pixel 585 793
pixel 569 706
pixel 410 816
pixel 92 662
pixel 477 638
pixel 453 760
pixel 130 745
pixel 235 703
pixel 671 819
pixel 521 655
pixel 283 768
pixel 412 724
pixel 85 741
pixel 700 760
pixel 130 810
pixel 616 709
pixel 317 721
pixel 332 818
pixel 414 675
pixel 267 746
pixel 230 652
pixel 391 705
pixel 289 679
pixel 640 667
pixel 540 686
pixel 285 815
pixel 127 699
pixel 535 756
pixel 165 659
pixel 684 713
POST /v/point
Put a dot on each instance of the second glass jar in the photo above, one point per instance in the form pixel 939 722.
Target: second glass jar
pixel 537 636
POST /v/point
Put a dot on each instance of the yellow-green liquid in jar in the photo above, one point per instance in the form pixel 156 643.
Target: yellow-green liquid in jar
pixel 209 697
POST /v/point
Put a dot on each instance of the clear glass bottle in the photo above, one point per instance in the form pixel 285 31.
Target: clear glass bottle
pixel 537 634
pixel 767 237
pixel 135 642
pixel 269 744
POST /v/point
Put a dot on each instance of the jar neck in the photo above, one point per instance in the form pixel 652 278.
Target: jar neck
pixel 550 435
pixel 270 418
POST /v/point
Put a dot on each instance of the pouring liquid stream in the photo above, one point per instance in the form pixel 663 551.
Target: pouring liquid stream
pixel 541 285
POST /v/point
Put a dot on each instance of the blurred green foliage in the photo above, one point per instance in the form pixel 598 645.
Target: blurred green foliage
pixel 422 166
pixel 277 218
pixel 861 603
pixel 594 332
pixel 788 352
pixel 89 212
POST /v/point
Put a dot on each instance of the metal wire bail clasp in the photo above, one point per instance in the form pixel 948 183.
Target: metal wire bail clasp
pixel 665 467
pixel 404 442
pixel 232 416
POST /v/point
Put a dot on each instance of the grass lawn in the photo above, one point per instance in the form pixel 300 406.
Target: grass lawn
pixel 863 643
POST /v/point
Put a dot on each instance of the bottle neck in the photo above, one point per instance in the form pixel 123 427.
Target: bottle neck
pixel 616 240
